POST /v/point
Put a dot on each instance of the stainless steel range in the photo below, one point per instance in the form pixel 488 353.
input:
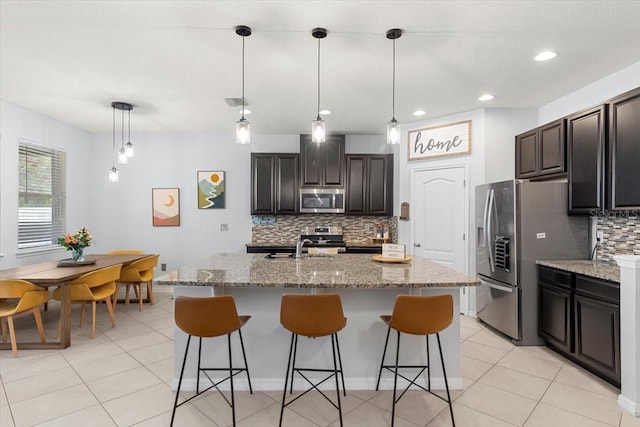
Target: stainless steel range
pixel 322 237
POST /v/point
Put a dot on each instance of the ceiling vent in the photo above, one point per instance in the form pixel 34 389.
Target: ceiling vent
pixel 236 102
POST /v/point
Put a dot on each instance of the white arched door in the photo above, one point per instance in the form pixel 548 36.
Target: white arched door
pixel 439 218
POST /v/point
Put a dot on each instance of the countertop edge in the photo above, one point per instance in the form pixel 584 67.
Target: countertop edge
pixel 597 269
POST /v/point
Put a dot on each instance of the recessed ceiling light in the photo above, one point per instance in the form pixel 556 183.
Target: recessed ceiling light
pixel 246 111
pixel 419 113
pixel 545 56
pixel 485 97
pixel 325 112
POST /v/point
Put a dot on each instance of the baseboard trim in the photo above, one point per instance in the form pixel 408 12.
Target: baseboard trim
pixel 629 405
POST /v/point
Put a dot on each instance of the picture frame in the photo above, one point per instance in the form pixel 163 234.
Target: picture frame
pixel 165 203
pixel 452 139
pixel 211 190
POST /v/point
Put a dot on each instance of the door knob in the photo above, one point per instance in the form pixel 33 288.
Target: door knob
pixel 417 245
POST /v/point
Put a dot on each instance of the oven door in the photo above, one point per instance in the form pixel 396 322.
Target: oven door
pixel 321 201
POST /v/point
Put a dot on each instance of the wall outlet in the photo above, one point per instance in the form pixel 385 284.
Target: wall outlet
pixel 163 267
pixel 599 234
pixel 224 227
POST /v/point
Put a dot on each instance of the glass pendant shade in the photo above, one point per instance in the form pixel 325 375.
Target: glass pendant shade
pixel 113 174
pixel 393 132
pixel 318 133
pixel 128 149
pixel 122 156
pixel 243 131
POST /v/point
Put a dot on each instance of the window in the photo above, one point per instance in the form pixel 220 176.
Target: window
pixel 41 196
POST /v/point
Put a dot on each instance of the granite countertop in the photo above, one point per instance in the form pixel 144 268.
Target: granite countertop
pixel 339 271
pixel 607 270
pixel 351 244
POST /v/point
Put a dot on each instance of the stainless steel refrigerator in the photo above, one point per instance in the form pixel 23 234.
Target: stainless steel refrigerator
pixel 517 223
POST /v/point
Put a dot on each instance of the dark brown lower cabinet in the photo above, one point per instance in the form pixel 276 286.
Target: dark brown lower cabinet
pixel 580 318
pixel 555 318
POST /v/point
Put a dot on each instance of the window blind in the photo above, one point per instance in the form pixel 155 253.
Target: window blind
pixel 41 195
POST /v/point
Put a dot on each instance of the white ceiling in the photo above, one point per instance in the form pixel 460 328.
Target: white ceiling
pixel 176 61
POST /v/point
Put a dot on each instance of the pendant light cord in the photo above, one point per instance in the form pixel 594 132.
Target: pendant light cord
pixel 243 78
pixel 129 126
pixel 122 133
pixel 393 86
pixel 318 80
pixel 113 145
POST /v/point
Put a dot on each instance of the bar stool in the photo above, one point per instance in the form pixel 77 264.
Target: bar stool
pixel 312 316
pixel 418 315
pixel 207 317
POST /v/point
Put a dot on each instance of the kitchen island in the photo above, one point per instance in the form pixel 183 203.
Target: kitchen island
pixel 367 288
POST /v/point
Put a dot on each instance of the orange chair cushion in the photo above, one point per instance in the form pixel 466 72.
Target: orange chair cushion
pixel 421 315
pixel 208 316
pixel 312 315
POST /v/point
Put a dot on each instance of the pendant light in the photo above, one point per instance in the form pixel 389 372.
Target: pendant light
pixel 318 131
pixel 243 127
pixel 128 147
pixel 393 127
pixel 120 155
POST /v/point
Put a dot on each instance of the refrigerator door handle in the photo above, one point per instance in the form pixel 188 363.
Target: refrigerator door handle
pixel 485 226
pixel 489 230
pixel 498 287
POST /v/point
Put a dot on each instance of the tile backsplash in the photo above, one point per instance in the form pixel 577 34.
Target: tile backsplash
pixel 357 229
pixel 620 236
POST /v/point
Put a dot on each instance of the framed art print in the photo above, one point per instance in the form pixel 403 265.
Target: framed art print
pixel 166 207
pixel 211 192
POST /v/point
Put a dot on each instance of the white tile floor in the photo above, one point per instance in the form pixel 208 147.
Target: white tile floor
pixel 122 378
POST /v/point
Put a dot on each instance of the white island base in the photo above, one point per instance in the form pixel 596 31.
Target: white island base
pixel 361 341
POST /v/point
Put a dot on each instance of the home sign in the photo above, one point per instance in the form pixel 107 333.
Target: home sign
pixel 453 139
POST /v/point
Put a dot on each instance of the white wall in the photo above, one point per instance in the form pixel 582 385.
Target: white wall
pixel 591 95
pixel 501 126
pixel 16 123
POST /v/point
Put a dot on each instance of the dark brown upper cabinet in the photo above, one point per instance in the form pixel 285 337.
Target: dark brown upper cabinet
pixel 274 183
pixel 369 184
pixel 540 152
pixel 624 151
pixel 586 133
pixel 322 165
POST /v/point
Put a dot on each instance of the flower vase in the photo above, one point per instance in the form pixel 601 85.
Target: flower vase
pixel 77 255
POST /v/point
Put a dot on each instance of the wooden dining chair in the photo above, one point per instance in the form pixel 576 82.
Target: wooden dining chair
pixel 98 285
pixel 134 276
pixel 19 296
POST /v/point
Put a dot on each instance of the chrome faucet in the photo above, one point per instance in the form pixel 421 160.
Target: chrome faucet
pixel 299 245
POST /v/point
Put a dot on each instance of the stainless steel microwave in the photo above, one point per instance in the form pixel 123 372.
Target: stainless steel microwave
pixel 322 200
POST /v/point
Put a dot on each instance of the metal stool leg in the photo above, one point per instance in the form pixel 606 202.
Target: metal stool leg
pixel 386 341
pixel 395 382
pixel 344 389
pixel 446 383
pixel 293 367
pixel 286 379
pixel 184 362
pixel 198 372
pixel 233 403
pixel 428 365
pixel 335 373
pixel 244 356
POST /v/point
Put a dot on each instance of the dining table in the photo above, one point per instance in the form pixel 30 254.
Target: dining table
pixel 50 274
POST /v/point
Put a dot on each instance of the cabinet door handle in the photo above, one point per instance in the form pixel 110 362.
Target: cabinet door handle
pixel 417 245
